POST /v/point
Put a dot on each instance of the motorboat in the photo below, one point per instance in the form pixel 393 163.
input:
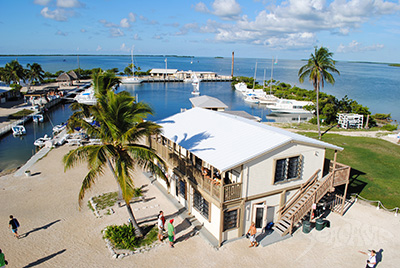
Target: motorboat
pixel 59 128
pixel 241 86
pixel 252 99
pixel 41 141
pixel 37 118
pixel 86 97
pixel 196 85
pixel 18 130
pixel 131 80
pixel 286 106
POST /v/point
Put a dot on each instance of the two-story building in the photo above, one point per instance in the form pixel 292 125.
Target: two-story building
pixel 229 171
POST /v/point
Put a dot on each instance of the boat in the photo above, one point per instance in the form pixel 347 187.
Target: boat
pixel 241 86
pixel 41 141
pixel 286 106
pixel 37 118
pixel 131 79
pixel 59 128
pixel 196 89
pixel 86 97
pixel 18 130
pixel 252 99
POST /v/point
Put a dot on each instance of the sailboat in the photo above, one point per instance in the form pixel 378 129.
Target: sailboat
pixel 131 79
pixel 196 85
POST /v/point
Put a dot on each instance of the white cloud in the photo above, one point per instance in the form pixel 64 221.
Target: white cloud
pixel 61 33
pixel 136 37
pixel 83 30
pixel 124 48
pixel 125 23
pixel 108 24
pixel 158 37
pixel 57 14
pixel 355 46
pixel 42 2
pixel 293 23
pixel 201 7
pixel 132 17
pixel 116 32
pixel 189 26
pixel 226 9
pixel 99 48
pixel 69 3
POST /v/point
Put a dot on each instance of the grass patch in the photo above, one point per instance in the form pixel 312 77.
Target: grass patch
pixel 375 166
pixel 105 200
pixel 20 114
pixel 123 236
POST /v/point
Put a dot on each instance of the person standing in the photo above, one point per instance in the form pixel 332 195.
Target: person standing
pixel 371 262
pixel 171 233
pixel 160 225
pixel 252 232
pixel 3 261
pixel 14 224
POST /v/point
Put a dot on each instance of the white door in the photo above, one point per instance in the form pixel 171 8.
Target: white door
pixel 259 216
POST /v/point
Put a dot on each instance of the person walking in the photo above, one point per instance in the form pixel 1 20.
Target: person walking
pixel 371 262
pixel 171 233
pixel 160 225
pixel 14 224
pixel 252 232
pixel 3 261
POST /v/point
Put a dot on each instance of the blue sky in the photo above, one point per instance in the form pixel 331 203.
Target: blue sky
pixel 360 30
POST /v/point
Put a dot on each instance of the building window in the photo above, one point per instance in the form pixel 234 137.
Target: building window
pixel 288 169
pixel 200 204
pixel 231 219
pixel 182 188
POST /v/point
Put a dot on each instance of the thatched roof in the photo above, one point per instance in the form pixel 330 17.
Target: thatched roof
pixel 64 77
pixel 74 75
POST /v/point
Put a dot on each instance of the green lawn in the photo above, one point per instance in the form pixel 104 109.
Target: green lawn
pixel 375 166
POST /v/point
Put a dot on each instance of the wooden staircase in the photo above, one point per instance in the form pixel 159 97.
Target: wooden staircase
pixel 301 203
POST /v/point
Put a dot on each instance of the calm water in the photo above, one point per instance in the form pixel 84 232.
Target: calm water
pixel 376 86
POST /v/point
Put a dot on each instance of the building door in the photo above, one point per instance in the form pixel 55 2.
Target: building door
pixel 259 215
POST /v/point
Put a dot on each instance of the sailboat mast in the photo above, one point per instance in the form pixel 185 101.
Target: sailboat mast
pixel 272 71
pixel 255 75
pixel 133 68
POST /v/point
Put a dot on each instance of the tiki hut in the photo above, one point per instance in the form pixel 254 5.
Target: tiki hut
pixel 65 79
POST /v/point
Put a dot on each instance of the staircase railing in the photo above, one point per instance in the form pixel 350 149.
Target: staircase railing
pixel 303 189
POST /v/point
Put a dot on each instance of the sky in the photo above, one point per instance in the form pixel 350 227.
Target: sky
pixel 354 30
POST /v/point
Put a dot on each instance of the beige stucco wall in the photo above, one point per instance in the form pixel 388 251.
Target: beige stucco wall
pixel 258 174
pixel 213 225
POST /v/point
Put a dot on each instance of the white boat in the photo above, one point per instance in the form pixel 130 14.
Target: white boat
pixel 242 87
pixel 252 99
pixel 18 130
pixel 286 106
pixel 41 141
pixel 131 79
pixel 59 128
pixel 86 97
pixel 37 118
pixel 196 86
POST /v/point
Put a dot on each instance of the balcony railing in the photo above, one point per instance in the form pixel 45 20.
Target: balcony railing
pixel 341 174
pixel 185 167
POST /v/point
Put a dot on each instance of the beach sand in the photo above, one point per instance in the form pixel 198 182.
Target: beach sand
pixel 57 234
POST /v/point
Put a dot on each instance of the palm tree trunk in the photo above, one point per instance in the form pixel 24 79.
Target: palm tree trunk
pixel 116 179
pixel 318 124
pixel 138 230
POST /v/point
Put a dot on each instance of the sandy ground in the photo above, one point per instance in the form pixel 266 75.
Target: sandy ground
pixel 57 234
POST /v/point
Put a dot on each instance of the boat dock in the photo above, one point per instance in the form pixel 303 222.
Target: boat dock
pixel 157 79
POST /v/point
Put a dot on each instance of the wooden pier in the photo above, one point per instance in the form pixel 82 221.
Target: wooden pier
pixel 152 79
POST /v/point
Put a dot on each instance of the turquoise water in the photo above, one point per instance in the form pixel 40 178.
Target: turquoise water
pixel 373 85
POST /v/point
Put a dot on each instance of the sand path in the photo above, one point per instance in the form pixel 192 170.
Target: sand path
pixel 59 235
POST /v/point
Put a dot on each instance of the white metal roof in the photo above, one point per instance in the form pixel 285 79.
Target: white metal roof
pixel 226 141
pixel 164 71
pixel 207 102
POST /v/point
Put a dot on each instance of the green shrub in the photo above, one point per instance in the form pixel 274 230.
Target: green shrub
pixel 389 127
pixel 20 114
pixel 105 200
pixel 123 236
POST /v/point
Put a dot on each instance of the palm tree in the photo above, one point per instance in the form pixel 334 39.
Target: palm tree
pixel 318 69
pixel 121 129
pixel 13 72
pixel 35 72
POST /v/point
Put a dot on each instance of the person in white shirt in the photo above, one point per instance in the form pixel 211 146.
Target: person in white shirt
pixel 371 262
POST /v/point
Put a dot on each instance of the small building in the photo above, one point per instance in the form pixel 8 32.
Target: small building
pixel 229 171
pixel 208 102
pixel 350 120
pixel 163 72
pixel 65 79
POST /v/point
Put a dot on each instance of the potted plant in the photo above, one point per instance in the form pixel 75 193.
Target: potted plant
pixel 28 173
